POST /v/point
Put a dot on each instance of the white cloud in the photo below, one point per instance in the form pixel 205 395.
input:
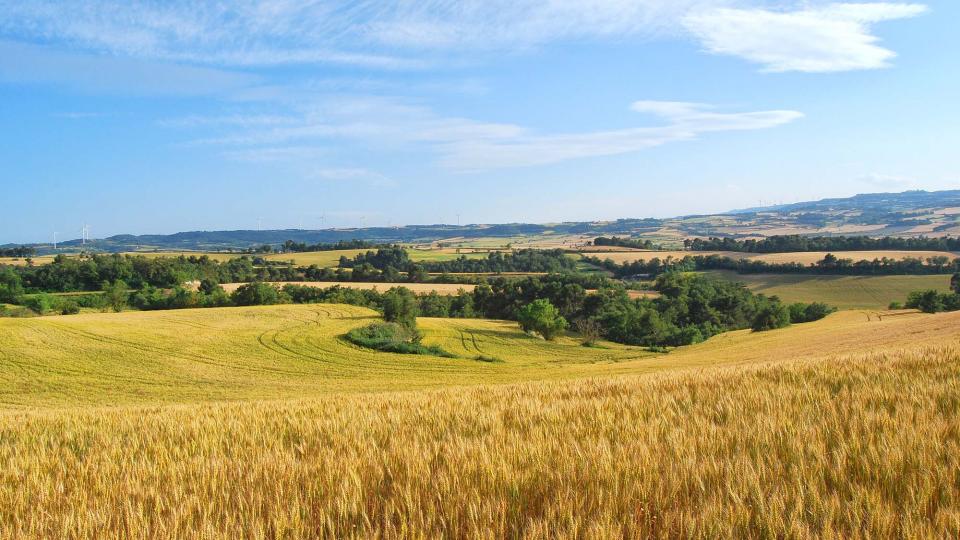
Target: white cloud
pixel 836 37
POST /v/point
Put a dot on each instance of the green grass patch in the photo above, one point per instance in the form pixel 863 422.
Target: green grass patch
pixel 395 338
pixel 844 292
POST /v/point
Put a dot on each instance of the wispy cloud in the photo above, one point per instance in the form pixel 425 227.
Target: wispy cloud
pixel 681 122
pixel 836 37
pixel 466 145
pixel 26 63
pixel 77 115
pixel 413 35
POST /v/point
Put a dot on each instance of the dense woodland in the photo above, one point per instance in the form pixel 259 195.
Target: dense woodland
pixel 794 243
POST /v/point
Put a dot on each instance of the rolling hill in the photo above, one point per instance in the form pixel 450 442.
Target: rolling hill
pixel 911 213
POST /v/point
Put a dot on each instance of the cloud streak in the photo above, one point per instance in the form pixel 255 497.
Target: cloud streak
pixel 463 144
pixel 378 34
pixel 681 122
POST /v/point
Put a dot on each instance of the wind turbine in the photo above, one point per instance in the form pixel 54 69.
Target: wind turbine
pixel 55 233
pixel 259 224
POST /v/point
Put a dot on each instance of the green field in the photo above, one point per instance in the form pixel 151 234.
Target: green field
pixel 844 292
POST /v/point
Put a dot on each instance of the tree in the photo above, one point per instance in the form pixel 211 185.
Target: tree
pixel 209 286
pixel 929 301
pixel 115 295
pixel 589 330
pixel 541 317
pixel 10 285
pixel 258 293
pixel 400 306
pixel 771 317
pixel 955 283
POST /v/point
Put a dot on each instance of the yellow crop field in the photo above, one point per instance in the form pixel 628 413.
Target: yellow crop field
pixel 808 257
pixel 18 261
pixel 419 288
pixel 844 292
pixel 262 423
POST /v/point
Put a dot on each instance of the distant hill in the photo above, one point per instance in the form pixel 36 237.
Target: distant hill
pixel 911 213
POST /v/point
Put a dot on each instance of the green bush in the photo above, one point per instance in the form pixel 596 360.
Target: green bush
pixel 771 317
pixel 929 301
pixel 395 338
pixel 69 307
pixel 39 303
pixel 804 313
pixel 258 293
pixel 542 317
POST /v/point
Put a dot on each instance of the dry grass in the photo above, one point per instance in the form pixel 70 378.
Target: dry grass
pixel 17 261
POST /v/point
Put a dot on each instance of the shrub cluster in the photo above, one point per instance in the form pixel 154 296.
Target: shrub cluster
pixel 395 338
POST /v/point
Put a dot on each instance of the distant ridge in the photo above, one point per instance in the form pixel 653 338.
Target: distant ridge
pixel 907 200
pixel 873 214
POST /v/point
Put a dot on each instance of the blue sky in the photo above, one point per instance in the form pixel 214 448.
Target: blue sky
pixel 157 117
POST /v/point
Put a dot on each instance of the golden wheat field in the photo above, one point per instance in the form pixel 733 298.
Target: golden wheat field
pixel 806 258
pixel 263 423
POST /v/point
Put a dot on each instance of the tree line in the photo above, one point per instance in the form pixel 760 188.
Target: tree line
pixel 19 252
pixel 690 308
pixel 829 265
pixel 615 241
pixel 524 260
pixel 291 246
pixel 794 242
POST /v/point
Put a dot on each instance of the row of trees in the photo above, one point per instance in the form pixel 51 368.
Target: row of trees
pixel 19 252
pixel 690 308
pixel 88 273
pixel 524 260
pixel 616 241
pixel 830 264
pixel 795 242
pixel 300 247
